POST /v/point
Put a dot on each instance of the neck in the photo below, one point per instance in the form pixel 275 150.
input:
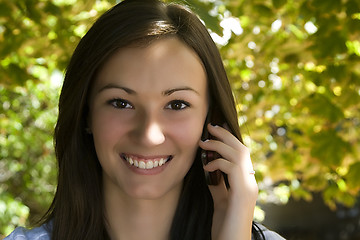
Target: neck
pixel 131 219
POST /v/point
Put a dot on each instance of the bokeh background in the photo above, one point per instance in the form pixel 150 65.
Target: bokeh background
pixel 294 66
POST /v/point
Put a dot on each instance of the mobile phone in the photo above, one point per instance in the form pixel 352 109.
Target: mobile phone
pixel 213 117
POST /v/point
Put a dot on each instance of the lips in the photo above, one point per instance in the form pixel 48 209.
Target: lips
pixel 145 162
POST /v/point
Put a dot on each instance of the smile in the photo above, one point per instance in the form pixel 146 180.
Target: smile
pixel 145 163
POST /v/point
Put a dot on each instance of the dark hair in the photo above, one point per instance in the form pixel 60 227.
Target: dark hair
pixel 77 208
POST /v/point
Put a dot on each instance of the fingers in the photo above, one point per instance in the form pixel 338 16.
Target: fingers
pixel 242 181
pixel 224 150
pixel 226 144
pixel 219 164
pixel 230 168
pixel 233 207
pixel 225 136
pixel 234 155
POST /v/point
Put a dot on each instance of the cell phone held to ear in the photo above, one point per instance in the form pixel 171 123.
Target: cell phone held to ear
pixel 212 178
pixel 213 117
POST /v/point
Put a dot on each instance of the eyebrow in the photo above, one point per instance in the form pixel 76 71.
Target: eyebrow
pixel 171 91
pixel 133 92
pixel 111 86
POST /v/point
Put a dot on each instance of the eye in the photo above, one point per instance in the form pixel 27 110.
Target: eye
pixel 177 105
pixel 120 103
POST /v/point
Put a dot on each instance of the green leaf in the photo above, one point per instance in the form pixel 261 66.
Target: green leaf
pixel 353 47
pixel 349 98
pixel 263 10
pixel 352 7
pixel 329 147
pixel 327 6
pixel 306 10
pixel 202 9
pixel 278 3
pixel 315 183
pixel 321 106
pixel 5 9
pixel 336 71
pixel 328 44
pixel 353 176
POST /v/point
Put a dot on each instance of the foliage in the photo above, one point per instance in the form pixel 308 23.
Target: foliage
pixel 295 71
pixel 36 41
pixel 27 161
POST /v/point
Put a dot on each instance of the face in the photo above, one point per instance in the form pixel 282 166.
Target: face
pixel 147 110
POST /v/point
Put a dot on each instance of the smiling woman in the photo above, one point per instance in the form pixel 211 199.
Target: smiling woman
pixel 135 109
pixel 147 108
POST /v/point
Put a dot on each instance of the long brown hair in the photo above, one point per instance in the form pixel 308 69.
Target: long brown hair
pixel 77 208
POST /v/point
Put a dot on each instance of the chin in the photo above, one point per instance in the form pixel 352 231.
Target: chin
pixel 148 191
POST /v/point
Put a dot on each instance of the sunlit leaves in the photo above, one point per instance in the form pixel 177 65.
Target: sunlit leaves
pixel 36 42
pixel 353 47
pixel 27 168
pixel 13 212
pixel 329 147
pixel 202 10
pixel 301 56
pixel 35 29
pixel 321 106
pixel 278 3
pixel 353 176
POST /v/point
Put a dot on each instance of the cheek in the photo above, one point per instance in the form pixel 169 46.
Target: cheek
pixel 188 132
pixel 106 128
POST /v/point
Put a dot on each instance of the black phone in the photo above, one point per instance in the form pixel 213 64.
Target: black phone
pixel 214 117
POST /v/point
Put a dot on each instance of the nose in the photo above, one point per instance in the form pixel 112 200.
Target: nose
pixel 154 134
pixel 148 131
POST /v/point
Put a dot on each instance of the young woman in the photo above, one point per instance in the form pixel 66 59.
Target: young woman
pixel 144 101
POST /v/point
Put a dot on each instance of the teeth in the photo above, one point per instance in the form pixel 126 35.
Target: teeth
pixel 142 165
pixel 156 163
pixel 150 164
pixel 161 162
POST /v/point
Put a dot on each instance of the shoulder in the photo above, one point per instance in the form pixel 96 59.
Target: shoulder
pixel 39 233
pixel 268 234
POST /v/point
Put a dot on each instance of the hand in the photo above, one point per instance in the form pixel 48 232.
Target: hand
pixel 234 208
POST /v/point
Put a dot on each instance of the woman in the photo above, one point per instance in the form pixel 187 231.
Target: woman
pixel 139 92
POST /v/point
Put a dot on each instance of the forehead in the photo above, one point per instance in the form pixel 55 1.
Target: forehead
pixel 163 63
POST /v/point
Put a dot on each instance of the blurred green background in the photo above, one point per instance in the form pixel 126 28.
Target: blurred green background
pixel 294 66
